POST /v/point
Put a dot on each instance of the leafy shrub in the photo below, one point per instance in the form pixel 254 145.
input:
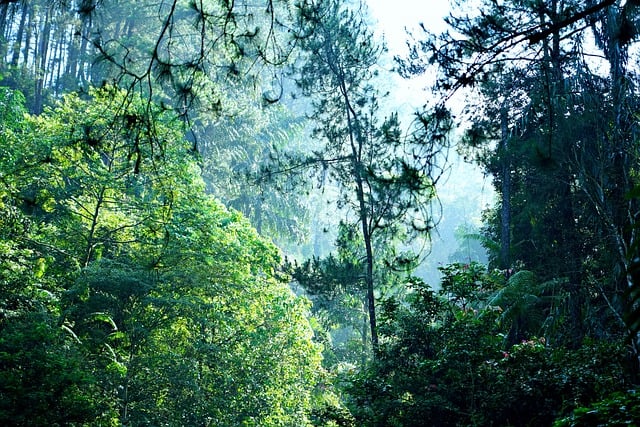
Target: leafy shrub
pixel 446 360
pixel 619 409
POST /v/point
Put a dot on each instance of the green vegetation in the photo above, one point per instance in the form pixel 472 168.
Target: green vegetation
pixel 172 174
pixel 128 294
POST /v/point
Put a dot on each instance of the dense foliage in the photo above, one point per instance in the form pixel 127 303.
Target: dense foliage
pixel 128 295
pixel 446 359
pixel 152 153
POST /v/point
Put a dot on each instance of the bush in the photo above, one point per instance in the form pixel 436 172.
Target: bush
pixel 619 409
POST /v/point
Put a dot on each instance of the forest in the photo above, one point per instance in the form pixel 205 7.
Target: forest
pixel 213 213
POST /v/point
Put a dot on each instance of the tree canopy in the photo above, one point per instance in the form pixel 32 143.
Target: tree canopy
pixel 153 302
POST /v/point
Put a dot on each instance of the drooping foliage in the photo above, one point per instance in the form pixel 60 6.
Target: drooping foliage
pixel 181 44
pixel 215 63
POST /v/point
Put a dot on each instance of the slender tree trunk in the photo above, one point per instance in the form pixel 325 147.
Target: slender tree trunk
pixel 60 62
pixel 81 75
pixel 354 135
pixel 505 209
pixel 371 301
pixel 363 336
pixel 41 62
pixel 71 69
pixel 91 237
pixel 52 59
pixel 18 43
pixel 355 141
pixel 27 39
pixel 4 8
pixel 11 13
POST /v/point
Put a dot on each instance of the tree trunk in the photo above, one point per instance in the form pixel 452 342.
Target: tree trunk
pixel 17 45
pixel 27 39
pixel 71 69
pixel 41 62
pixel 55 77
pixel 81 75
pixel 371 301
pixel 4 8
pixel 505 209
pixel 91 237
pixel 355 138
pixel 363 336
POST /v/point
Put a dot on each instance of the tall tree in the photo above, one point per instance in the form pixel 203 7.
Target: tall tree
pixel 567 184
pixel 373 166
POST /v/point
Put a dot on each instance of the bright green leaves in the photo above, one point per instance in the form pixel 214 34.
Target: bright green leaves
pixel 11 111
pixel 468 286
pixel 157 304
pixel 109 175
pixel 237 336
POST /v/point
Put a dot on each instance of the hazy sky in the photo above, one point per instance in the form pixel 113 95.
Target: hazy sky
pixel 464 180
pixel 394 16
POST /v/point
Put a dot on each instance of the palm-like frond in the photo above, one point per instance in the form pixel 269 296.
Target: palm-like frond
pixel 527 305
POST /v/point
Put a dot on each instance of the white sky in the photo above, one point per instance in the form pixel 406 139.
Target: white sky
pixel 393 19
pixel 394 16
